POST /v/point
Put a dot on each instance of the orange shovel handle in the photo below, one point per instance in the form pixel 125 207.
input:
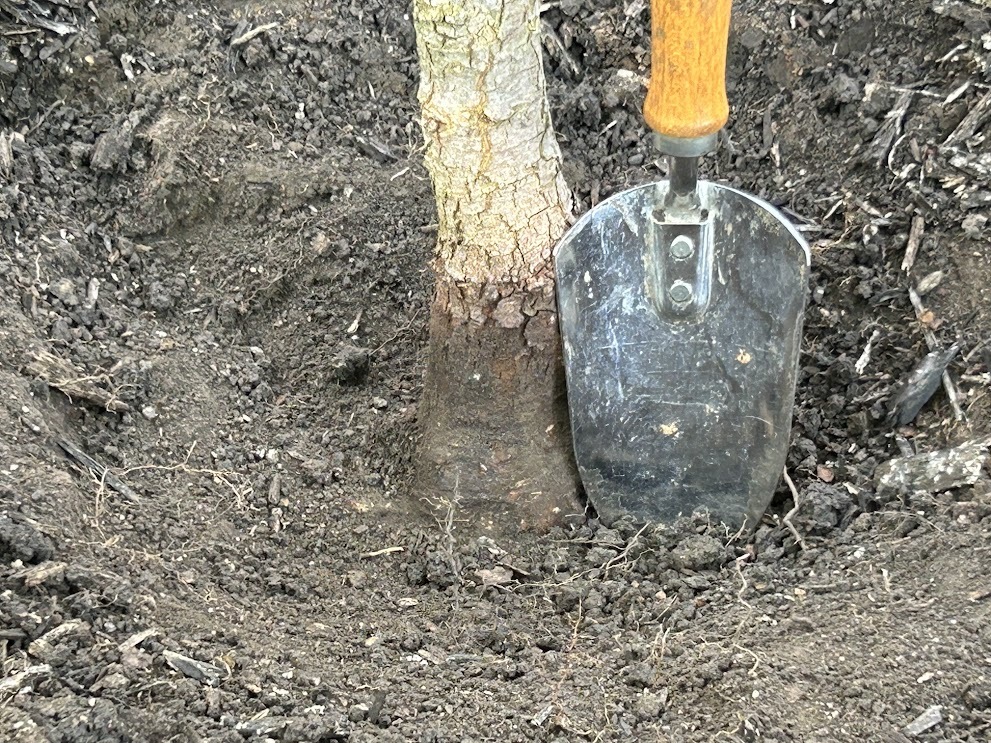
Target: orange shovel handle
pixel 687 94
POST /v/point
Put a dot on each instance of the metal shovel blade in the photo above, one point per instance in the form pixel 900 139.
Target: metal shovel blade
pixel 681 397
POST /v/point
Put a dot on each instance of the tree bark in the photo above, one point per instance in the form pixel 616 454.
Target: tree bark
pixel 495 444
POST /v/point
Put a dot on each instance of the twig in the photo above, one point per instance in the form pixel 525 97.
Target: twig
pixel 33 16
pixel 734 538
pixel 246 37
pixel 378 553
pixel 447 527
pixel 398 333
pixel 787 518
pixel 44 115
pixel 576 627
pixel 625 553
pixel 558 50
pixel 659 646
pixel 63 376
pixel 971 122
pixel 948 385
pixel 865 357
pixel 12 684
pixel 744 583
pixel 891 128
pixel 914 240
pixel 183 466
pixel 752 654
pixel 98 470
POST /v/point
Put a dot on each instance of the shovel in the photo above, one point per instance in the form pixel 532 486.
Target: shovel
pixel 680 305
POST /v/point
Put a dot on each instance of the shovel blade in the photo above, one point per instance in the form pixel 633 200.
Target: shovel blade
pixel 674 413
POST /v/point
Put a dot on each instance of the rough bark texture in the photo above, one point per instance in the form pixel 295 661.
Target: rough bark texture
pixel 495 444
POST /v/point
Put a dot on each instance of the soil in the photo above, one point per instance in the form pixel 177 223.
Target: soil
pixel 213 316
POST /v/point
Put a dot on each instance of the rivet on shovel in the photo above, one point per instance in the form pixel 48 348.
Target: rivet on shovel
pixel 681 292
pixel 682 247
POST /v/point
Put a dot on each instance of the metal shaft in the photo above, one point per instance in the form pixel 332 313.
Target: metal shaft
pixel 684 175
pixel 682 201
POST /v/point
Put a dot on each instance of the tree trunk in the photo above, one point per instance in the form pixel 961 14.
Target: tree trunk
pixel 495 444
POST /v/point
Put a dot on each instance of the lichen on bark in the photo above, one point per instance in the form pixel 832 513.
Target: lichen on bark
pixel 495 165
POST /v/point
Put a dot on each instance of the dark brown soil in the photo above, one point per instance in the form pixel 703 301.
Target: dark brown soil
pixel 221 240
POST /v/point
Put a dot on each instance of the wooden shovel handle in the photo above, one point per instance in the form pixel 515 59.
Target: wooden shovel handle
pixel 687 94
